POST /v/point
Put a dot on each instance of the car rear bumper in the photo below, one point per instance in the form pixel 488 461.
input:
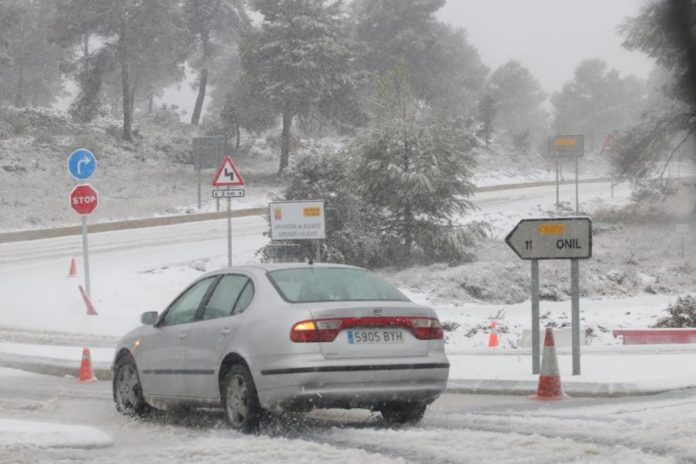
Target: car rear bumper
pixel 352 385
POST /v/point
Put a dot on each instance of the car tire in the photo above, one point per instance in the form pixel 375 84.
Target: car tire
pixel 127 390
pixel 401 412
pixel 241 402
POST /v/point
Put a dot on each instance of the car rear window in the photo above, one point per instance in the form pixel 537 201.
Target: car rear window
pixel 307 285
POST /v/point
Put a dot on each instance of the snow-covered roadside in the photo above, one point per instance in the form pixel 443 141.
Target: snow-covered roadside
pixel 32 434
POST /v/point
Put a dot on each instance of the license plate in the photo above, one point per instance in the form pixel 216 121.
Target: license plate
pixel 364 337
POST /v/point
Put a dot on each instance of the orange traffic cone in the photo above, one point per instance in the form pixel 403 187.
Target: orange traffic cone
pixel 86 373
pixel 73 268
pixel 90 307
pixel 493 337
pixel 549 378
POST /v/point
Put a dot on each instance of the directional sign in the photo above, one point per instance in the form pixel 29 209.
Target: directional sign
pixel 84 199
pixel 228 175
pixel 81 164
pixel 567 146
pixel 228 193
pixel 552 238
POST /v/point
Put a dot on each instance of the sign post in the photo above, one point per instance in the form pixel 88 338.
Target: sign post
pixel 568 147
pixel 682 229
pixel 228 176
pixel 554 238
pixel 84 199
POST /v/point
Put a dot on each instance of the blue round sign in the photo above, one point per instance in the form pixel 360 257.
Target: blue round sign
pixel 82 164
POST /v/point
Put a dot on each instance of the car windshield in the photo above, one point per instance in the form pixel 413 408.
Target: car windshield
pixel 306 285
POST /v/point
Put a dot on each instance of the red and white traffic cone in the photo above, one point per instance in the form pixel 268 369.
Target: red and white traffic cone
pixel 73 268
pixel 90 307
pixel 549 378
pixel 493 337
pixel 86 372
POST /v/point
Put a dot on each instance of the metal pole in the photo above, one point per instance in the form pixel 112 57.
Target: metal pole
pixel 318 257
pixel 85 254
pixel 535 317
pixel 612 189
pixel 229 232
pixel 577 198
pixel 198 175
pixel 575 310
pixel 558 196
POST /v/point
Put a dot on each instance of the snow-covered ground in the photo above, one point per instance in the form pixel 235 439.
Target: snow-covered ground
pixel 457 429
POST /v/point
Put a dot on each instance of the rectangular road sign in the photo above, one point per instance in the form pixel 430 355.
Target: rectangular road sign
pixel 228 193
pixel 297 220
pixel 566 146
pixel 552 238
pixel 208 152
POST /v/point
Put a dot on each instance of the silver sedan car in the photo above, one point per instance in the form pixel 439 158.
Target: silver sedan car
pixel 284 337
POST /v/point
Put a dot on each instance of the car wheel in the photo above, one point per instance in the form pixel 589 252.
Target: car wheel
pixel 402 412
pixel 128 394
pixel 241 401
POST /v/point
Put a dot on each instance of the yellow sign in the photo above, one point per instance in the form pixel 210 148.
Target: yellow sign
pixel 551 229
pixel 312 212
pixel 568 142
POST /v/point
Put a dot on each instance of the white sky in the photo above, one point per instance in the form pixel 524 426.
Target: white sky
pixel 550 37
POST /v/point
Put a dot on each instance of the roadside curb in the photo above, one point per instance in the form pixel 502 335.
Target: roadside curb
pixel 573 389
pixel 54 367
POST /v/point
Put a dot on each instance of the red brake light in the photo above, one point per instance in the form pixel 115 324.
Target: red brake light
pixel 326 330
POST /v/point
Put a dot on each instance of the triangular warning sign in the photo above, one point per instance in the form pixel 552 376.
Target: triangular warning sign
pixel 228 175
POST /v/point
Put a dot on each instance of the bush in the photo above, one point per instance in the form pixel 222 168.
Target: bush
pixel 681 313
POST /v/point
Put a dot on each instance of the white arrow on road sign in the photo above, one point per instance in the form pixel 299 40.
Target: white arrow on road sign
pixel 552 238
pixel 228 175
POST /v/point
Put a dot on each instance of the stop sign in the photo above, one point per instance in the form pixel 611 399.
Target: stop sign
pixel 84 199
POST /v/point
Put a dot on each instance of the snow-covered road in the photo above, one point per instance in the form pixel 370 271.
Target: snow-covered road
pixel 457 429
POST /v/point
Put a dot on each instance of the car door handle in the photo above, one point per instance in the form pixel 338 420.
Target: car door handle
pixel 182 336
pixel 225 331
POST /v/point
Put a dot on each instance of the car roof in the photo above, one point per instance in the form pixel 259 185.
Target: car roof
pixel 268 267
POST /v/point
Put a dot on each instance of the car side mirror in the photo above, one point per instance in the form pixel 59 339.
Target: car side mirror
pixel 149 318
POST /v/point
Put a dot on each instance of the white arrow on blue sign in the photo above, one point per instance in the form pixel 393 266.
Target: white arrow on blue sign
pixel 82 164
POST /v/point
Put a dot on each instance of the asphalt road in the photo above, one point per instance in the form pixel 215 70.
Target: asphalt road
pixel 456 429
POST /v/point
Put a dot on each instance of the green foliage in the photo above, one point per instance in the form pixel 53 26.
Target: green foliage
pixel 680 314
pixel 300 59
pixel 518 101
pixel 30 74
pixel 413 172
pixel 665 31
pixel 596 102
pixel 443 67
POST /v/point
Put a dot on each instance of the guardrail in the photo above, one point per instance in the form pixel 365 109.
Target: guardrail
pixel 655 336
pixel 37 234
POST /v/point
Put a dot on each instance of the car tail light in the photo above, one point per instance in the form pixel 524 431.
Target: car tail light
pixel 326 330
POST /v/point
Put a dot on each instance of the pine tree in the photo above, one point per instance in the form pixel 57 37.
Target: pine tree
pixel 212 24
pixel 665 31
pixel 443 67
pixel 518 101
pixel 414 171
pixel 31 75
pixel 299 58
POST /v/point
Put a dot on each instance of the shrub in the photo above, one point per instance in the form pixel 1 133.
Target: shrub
pixel 681 313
